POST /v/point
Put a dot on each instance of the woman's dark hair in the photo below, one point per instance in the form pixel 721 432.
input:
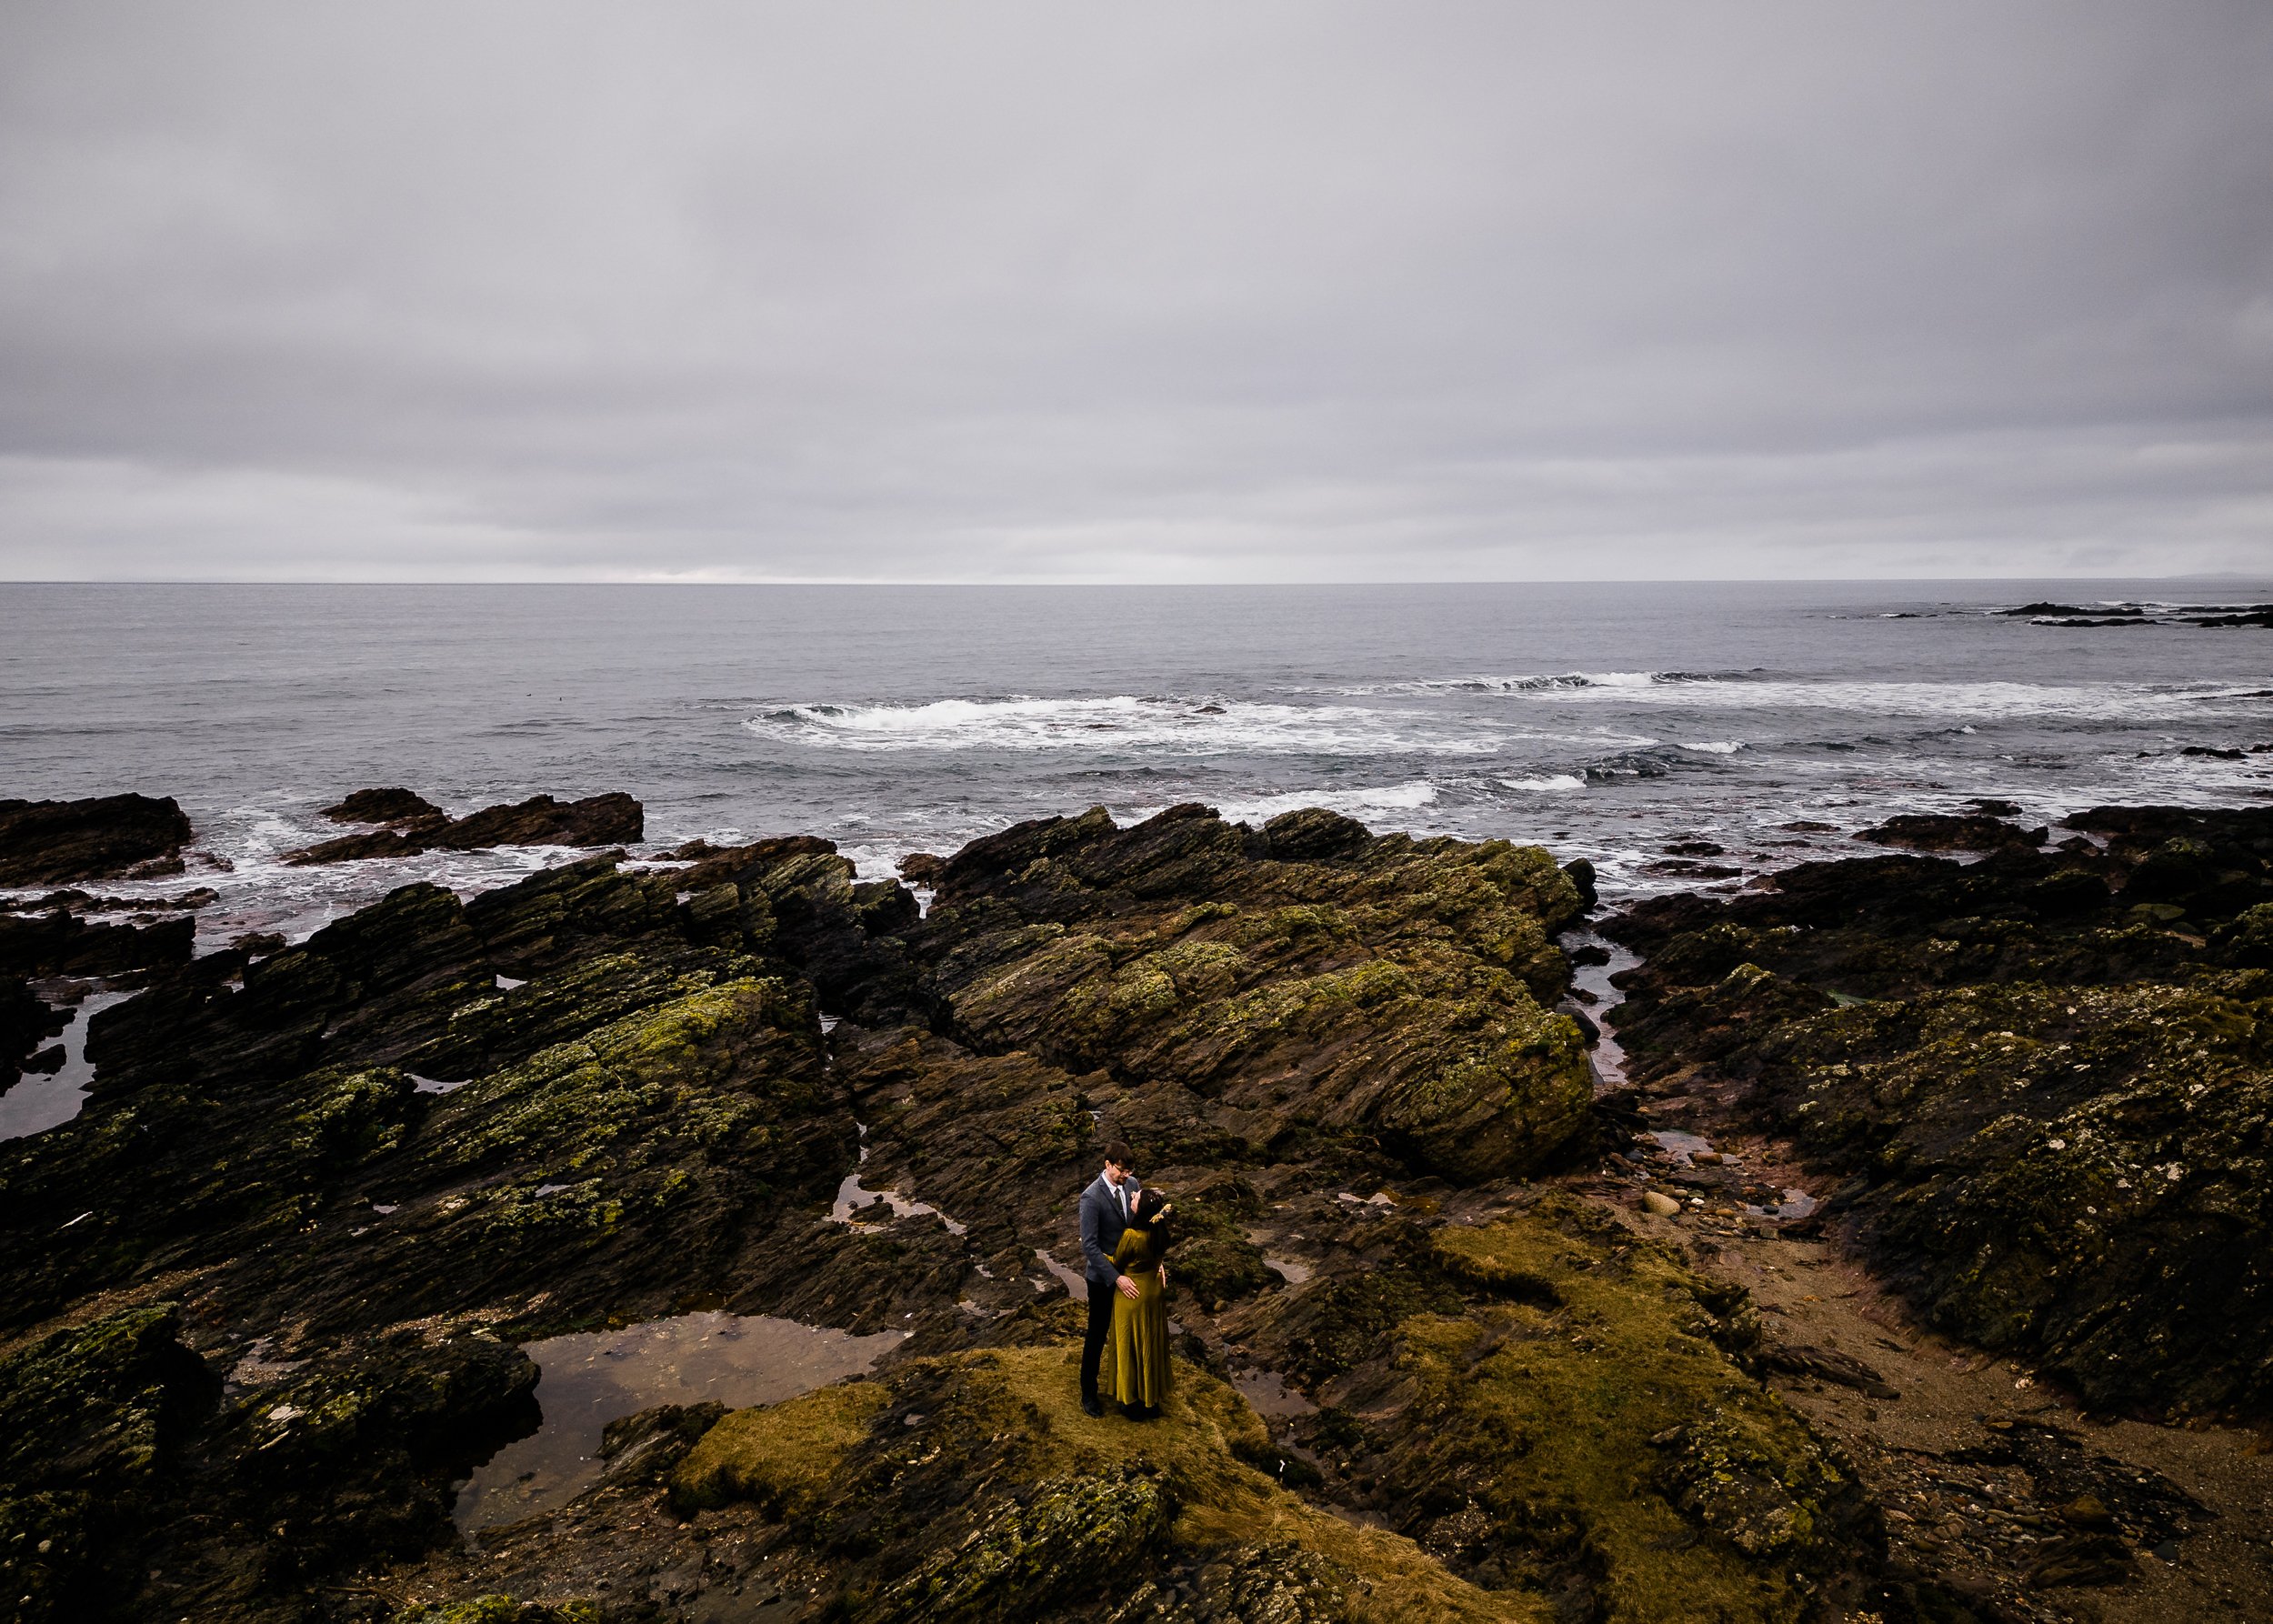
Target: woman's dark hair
pixel 1150 1204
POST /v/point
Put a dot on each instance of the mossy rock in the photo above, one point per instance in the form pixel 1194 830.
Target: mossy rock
pixel 1387 988
pixel 1592 1423
pixel 91 1418
pixel 779 1456
pixel 2079 1175
pixel 974 1487
pixel 1212 1257
pixel 497 1608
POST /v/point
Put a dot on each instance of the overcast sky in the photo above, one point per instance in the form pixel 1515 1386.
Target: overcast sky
pixel 1066 291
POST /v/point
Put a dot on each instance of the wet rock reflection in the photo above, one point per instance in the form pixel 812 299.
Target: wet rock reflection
pixel 593 1377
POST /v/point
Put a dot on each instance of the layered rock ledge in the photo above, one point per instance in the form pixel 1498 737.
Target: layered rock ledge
pixel 266 1301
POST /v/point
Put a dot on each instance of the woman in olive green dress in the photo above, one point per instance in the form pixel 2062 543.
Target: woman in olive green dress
pixel 1140 1323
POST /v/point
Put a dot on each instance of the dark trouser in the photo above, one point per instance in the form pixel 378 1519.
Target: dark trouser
pixel 1101 1295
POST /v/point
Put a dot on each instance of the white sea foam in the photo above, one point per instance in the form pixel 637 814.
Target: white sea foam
pixel 1350 803
pixel 1987 701
pixel 1551 783
pixel 1123 722
pixel 1728 748
pixel 1522 683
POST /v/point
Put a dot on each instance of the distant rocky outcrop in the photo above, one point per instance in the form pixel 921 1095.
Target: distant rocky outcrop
pixel 112 836
pixel 412 825
pixel 2225 615
pixel 383 805
pixel 1951 831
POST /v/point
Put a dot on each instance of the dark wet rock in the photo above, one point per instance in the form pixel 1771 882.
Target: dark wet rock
pixel 1951 831
pixel 2093 1492
pixel 63 943
pixel 1314 834
pixel 2039 1078
pixel 921 867
pixel 74 901
pixel 651 1442
pixel 648 1119
pixel 2053 609
pixel 349 1458
pixel 112 836
pixel 368 1162
pixel 25 1022
pixel 91 1418
pixel 1392 988
pixel 383 805
pixel 1450 1417
pixel 222 1120
pixel 1826 1364
pixel 845 935
pixel 611 819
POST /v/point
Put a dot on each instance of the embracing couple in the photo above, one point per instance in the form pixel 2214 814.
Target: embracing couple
pixel 1123 1233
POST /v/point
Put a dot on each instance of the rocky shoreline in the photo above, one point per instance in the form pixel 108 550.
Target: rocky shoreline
pixel 1461 1333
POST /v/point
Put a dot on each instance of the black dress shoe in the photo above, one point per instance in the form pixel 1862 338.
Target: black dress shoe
pixel 1092 1406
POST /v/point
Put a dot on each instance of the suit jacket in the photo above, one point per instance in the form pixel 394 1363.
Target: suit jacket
pixel 1101 1227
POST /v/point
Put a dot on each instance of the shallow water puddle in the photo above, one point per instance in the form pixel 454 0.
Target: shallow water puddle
pixel 1076 1284
pixel 590 1379
pixel 1607 1054
pixel 1680 1146
pixel 853 1197
pixel 1797 1204
pixel 852 1201
pixel 38 1103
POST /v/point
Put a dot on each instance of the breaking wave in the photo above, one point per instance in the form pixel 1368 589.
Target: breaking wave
pixel 1123 722
pixel 1547 784
pixel 1349 803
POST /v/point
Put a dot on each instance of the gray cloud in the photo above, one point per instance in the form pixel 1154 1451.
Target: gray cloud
pixel 1180 292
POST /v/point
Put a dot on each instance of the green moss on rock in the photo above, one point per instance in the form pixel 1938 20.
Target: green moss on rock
pixel 973 1487
pixel 1390 987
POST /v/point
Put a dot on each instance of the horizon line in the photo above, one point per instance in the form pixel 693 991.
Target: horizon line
pixel 1061 584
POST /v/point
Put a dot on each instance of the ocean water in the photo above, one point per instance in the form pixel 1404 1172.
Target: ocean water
pixel 1610 721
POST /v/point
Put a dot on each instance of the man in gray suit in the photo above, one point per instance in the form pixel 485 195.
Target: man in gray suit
pixel 1106 1205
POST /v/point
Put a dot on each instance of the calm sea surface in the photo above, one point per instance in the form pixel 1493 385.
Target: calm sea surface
pixel 1608 721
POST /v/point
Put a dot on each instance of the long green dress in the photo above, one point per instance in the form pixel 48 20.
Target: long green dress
pixel 1140 1326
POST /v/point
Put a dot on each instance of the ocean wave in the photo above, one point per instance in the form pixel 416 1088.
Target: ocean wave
pixel 1534 682
pixel 1981 701
pixel 1359 804
pixel 1723 747
pixel 1991 700
pixel 1550 783
pixel 1630 763
pixel 1121 722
